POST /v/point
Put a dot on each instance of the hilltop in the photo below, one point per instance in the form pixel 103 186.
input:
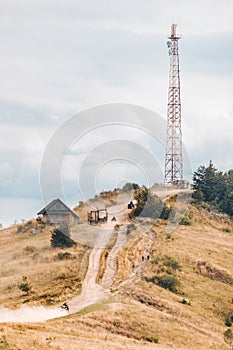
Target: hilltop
pixel 166 290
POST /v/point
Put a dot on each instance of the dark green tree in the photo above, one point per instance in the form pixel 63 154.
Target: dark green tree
pixel 60 238
pixel 130 186
pixel 214 187
pixel 227 201
pixel 204 183
pixel 148 205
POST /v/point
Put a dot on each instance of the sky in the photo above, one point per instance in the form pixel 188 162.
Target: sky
pixel 60 58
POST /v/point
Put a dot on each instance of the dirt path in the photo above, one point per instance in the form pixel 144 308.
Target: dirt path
pixel 91 291
pixel 111 263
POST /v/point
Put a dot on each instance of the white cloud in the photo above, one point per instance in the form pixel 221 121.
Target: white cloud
pixel 60 57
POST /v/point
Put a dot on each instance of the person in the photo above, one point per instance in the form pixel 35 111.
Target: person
pixel 65 306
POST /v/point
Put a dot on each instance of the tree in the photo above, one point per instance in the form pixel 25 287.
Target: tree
pixel 227 200
pixel 129 187
pixel 198 179
pixel 60 238
pixel 214 187
pixel 153 207
pixel 204 183
pixel 148 205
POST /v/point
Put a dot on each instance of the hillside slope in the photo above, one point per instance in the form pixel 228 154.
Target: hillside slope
pixel 179 296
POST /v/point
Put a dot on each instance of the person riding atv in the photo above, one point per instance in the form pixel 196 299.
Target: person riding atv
pixel 65 307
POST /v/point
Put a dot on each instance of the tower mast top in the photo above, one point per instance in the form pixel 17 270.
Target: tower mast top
pixel 173 35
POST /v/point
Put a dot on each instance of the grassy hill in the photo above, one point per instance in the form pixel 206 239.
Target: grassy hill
pixel 181 297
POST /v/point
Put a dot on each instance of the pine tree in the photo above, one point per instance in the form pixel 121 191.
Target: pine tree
pixel 214 187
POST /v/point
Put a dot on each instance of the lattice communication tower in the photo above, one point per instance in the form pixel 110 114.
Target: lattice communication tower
pixel 173 162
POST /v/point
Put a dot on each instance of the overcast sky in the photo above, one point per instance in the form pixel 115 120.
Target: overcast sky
pixel 58 58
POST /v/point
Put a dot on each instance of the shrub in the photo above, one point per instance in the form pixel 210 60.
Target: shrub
pixel 169 282
pixel 25 285
pixel 80 204
pixel 151 279
pixel 171 262
pixel 130 228
pixel 185 302
pixel 30 249
pixel 165 212
pixel 185 221
pixel 61 240
pixel 64 256
pixel 155 261
pixel 168 235
pixel 20 229
pixel 129 187
pixel 228 337
pixel 228 322
pixel 151 339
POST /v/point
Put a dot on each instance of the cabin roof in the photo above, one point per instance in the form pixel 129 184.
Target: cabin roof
pixel 51 208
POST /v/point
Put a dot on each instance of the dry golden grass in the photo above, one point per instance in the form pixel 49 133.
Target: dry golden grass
pixel 52 278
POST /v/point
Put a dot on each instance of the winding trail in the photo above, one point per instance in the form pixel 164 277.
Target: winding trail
pixel 111 263
pixel 91 291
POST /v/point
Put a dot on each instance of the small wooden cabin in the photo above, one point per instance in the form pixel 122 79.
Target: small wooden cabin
pixel 56 212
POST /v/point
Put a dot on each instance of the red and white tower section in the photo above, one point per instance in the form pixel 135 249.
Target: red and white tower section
pixel 173 162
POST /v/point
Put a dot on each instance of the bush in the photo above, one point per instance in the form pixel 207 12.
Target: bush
pixel 185 302
pixel 20 228
pixel 171 262
pixel 185 221
pixel 228 322
pixel 25 285
pixel 165 212
pixel 151 339
pixel 64 256
pixel 129 187
pixel 228 336
pixel 30 249
pixel 60 240
pixel 169 282
pixel 155 261
pixel 130 228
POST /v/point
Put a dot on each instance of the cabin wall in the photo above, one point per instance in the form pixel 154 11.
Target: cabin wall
pixel 59 218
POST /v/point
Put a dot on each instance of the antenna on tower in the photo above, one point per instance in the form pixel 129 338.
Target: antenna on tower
pixel 173 162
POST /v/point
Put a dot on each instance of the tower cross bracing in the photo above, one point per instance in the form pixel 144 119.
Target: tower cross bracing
pixel 173 162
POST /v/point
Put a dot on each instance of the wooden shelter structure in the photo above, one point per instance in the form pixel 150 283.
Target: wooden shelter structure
pixel 97 216
pixel 57 212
